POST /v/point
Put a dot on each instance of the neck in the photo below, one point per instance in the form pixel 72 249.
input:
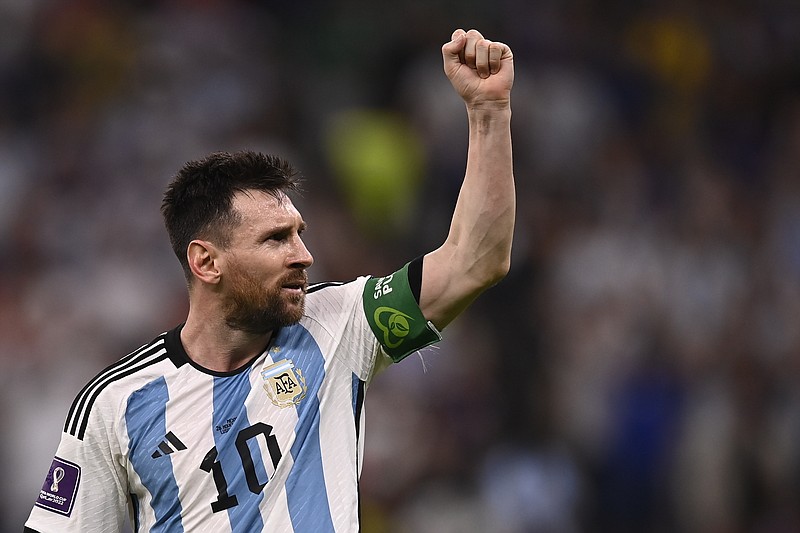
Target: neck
pixel 214 345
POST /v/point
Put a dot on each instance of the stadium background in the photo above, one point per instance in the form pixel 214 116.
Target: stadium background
pixel 637 370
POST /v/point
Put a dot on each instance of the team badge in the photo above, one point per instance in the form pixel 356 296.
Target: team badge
pixel 284 383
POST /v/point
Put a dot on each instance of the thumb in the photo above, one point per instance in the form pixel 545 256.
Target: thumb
pixel 453 51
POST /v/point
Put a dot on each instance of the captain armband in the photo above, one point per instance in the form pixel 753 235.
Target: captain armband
pixel 395 317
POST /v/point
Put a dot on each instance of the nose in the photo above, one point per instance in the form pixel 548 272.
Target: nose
pixel 301 257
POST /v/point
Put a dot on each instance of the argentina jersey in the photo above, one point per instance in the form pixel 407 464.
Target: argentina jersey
pixel 161 442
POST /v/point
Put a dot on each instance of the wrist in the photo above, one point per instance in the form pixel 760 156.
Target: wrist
pixel 489 112
pixel 489 106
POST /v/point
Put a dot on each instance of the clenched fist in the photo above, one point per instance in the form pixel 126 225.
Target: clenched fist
pixel 481 71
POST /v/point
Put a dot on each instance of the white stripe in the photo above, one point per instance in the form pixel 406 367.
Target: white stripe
pixel 275 513
pixel 337 438
pixel 195 428
pixel 274 507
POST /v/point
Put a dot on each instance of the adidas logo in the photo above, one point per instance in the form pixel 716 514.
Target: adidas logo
pixel 164 447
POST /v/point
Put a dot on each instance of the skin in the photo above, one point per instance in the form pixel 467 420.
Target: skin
pixel 477 251
pixel 265 263
pixel 266 256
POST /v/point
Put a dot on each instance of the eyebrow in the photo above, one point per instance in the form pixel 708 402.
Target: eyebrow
pixel 285 228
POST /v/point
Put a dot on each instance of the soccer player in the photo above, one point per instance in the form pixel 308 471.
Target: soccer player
pixel 249 416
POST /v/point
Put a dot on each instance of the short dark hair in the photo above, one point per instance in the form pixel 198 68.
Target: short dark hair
pixel 198 201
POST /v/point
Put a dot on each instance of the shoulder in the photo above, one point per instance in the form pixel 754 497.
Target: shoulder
pixel 329 287
pixel 113 384
pixel 328 296
pixel 335 307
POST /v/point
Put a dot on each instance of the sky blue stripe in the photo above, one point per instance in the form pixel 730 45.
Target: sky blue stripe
pixel 145 417
pixel 307 496
pixel 230 393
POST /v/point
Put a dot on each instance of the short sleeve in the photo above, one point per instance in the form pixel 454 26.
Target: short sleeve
pixel 84 489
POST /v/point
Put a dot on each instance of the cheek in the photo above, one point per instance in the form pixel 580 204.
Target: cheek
pixel 264 267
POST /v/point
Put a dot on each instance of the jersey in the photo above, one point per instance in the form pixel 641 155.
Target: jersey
pixel 273 446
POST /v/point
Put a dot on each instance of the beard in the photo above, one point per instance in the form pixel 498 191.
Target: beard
pixel 253 308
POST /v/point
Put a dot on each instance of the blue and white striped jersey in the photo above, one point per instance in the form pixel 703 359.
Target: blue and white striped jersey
pixel 273 446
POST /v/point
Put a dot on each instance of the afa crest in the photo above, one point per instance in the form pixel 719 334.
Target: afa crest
pixel 284 383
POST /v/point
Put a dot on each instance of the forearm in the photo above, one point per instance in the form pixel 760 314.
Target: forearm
pixel 483 220
pixel 477 251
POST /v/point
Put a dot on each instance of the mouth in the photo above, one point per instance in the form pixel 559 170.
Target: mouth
pixel 296 285
pixel 294 289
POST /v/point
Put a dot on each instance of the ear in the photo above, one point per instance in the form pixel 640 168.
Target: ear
pixel 203 260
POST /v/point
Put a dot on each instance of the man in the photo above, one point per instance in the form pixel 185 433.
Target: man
pixel 248 417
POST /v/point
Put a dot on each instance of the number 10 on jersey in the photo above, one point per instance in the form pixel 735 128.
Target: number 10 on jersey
pixel 214 466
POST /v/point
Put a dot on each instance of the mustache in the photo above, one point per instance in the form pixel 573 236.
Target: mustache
pixel 299 277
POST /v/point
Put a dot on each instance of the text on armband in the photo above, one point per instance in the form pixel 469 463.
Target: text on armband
pixel 383 287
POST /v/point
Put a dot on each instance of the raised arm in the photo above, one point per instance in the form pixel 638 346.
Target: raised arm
pixel 477 251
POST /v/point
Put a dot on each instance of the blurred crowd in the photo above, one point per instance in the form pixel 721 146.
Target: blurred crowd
pixel 639 368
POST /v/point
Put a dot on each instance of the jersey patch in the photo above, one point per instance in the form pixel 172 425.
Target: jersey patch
pixel 60 487
pixel 395 317
pixel 284 383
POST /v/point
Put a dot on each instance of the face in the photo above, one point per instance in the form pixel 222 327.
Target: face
pixel 264 276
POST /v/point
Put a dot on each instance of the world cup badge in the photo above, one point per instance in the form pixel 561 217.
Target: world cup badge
pixel 284 383
pixel 60 487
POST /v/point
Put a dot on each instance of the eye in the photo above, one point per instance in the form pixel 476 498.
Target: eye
pixel 277 237
pixel 284 234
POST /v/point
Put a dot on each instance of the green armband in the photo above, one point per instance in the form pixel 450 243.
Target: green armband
pixel 395 317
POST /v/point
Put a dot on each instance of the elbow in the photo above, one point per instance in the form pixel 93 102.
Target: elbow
pixel 491 267
pixel 495 272
pixel 500 272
